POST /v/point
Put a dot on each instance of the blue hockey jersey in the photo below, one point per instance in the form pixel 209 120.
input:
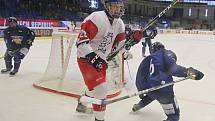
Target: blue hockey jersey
pixel 158 68
pixel 18 37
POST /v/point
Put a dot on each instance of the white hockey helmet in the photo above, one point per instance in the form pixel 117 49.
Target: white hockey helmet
pixel 114 7
pixel 12 21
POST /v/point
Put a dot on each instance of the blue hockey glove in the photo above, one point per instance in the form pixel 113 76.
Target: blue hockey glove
pixel 96 61
pixel 196 74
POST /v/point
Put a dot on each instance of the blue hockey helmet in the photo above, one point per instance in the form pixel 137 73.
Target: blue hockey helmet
pixel 114 7
pixel 157 46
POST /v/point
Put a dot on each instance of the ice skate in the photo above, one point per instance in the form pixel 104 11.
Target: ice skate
pixel 172 118
pixel 13 72
pixel 98 120
pixel 83 109
pixel 3 71
pixel 169 120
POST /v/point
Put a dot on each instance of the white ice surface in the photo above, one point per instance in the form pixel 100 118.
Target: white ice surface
pixel 20 101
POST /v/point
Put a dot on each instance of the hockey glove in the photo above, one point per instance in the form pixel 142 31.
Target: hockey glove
pixel 96 61
pixel 196 74
pixel 28 44
pixel 135 38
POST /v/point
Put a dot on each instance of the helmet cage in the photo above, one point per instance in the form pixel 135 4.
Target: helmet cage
pixel 109 4
pixel 12 20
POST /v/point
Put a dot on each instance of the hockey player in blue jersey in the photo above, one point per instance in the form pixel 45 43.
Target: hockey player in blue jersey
pixel 18 40
pixel 157 69
pixel 149 34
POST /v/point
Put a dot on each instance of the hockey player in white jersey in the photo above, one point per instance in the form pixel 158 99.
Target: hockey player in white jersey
pixel 100 32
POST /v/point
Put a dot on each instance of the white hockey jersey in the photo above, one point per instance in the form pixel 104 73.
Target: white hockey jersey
pixel 99 36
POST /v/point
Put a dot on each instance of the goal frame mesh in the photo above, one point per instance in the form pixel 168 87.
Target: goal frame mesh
pixel 55 89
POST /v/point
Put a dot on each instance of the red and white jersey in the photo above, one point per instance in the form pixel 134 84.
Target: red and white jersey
pixel 99 36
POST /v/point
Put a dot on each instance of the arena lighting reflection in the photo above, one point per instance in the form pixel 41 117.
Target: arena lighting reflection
pixel 93 3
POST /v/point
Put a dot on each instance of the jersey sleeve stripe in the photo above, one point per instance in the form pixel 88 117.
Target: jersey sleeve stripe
pixel 89 30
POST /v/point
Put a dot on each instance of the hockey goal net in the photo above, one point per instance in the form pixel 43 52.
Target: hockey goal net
pixel 62 73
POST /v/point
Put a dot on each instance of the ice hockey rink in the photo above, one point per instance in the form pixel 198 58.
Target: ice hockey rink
pixel 20 101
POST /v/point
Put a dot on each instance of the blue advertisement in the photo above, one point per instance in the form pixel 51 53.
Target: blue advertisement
pixel 164 23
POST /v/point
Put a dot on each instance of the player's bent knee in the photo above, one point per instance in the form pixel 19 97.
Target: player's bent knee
pixel 100 91
pixel 23 52
pixel 20 55
pixel 7 56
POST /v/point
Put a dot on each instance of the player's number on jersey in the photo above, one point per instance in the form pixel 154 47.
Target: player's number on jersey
pixel 152 67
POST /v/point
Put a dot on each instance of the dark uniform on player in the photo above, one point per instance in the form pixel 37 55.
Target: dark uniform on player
pixel 149 34
pixel 18 40
pixel 157 69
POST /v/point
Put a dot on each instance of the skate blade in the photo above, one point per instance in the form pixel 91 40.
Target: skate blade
pixel 5 72
pixel 12 75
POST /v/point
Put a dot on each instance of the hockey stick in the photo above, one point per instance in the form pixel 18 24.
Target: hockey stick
pixel 129 71
pixel 106 102
pixel 111 55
